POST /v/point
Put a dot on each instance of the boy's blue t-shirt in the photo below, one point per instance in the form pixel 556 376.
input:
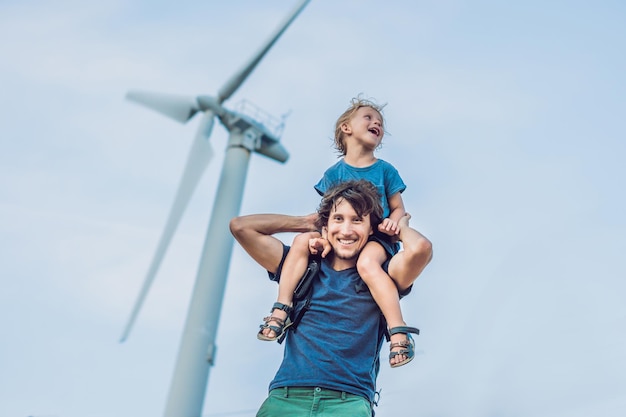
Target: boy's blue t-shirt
pixel 381 173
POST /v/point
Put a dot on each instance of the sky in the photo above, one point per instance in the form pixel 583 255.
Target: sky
pixel 505 119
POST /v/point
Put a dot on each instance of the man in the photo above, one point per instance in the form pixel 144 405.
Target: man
pixel 331 361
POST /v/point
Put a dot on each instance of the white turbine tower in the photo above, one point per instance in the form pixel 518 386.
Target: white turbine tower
pixel 246 135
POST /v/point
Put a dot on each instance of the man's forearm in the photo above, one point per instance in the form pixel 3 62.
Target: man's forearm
pixel 269 224
pixel 255 235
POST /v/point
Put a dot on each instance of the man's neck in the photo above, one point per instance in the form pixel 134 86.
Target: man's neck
pixel 339 264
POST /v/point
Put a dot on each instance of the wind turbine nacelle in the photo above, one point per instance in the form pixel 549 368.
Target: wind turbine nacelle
pixel 273 150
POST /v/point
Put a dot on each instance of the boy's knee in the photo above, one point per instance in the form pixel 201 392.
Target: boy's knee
pixel 301 241
pixel 366 266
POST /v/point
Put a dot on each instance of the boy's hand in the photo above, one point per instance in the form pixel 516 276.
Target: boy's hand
pixel 388 227
pixel 319 245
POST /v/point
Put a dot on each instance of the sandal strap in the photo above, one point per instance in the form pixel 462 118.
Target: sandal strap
pixel 400 352
pixel 275 329
pixel 278 320
pixel 403 329
pixel 404 343
pixel 284 307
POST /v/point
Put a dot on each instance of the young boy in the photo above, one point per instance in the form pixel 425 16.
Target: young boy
pixel 358 133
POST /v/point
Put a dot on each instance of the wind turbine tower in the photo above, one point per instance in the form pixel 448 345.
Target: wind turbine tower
pixel 246 135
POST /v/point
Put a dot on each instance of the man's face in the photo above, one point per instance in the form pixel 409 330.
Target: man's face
pixel 347 233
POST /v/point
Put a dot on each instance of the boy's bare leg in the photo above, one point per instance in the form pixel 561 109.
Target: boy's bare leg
pixel 408 264
pixel 294 267
pixel 383 290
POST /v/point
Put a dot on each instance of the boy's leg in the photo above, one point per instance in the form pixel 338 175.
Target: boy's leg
pixel 383 290
pixel 405 266
pixel 293 269
pixel 380 284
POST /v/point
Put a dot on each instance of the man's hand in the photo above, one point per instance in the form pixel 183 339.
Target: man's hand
pixel 310 220
pixel 319 245
pixel 404 221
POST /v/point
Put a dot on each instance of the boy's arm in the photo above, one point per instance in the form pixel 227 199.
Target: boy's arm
pixel 396 208
pixel 254 233
pixel 396 212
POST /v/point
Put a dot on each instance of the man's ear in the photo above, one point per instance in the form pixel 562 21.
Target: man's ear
pixel 324 232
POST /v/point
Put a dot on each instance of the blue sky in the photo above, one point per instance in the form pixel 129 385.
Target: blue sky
pixel 505 120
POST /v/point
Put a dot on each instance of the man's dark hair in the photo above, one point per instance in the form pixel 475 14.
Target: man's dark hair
pixel 362 195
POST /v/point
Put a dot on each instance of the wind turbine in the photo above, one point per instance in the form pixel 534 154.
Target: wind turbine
pixel 246 135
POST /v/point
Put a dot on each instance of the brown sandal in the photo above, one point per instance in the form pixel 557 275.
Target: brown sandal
pixel 409 344
pixel 281 324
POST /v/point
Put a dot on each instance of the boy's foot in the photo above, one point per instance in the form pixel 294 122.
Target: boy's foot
pixel 402 348
pixel 276 323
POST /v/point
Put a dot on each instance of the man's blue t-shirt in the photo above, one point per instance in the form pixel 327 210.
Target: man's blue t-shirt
pixel 381 173
pixel 338 340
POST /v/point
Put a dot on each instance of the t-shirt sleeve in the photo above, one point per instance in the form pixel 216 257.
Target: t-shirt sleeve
pixel 393 181
pixel 275 276
pixel 321 186
pixel 327 181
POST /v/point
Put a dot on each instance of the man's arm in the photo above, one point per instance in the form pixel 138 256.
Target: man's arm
pixel 254 234
pixel 406 265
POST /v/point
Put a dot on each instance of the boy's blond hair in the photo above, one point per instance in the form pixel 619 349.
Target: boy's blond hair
pixel 355 104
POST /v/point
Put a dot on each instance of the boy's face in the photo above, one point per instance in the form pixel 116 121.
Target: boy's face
pixel 366 126
pixel 347 233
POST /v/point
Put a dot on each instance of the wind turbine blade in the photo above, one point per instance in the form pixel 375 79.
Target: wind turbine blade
pixel 179 108
pixel 238 78
pixel 197 161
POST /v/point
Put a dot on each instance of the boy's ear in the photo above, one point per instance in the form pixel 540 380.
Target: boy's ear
pixel 345 128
